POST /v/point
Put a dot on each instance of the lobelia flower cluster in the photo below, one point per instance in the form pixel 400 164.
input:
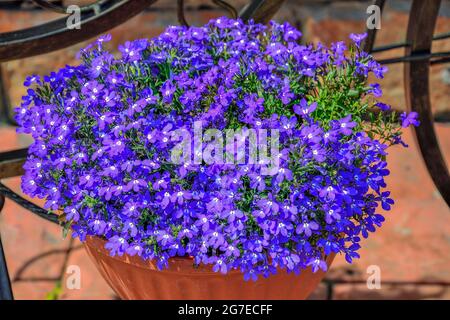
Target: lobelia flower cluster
pixel 102 146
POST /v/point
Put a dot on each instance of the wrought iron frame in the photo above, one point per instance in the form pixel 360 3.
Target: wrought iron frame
pixel 106 14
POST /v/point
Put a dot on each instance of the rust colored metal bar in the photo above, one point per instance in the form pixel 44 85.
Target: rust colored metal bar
pixel 225 5
pixel 63 10
pixel 337 281
pixel 42 213
pixel 372 33
pixel 5 282
pixel 422 21
pixel 55 35
pixel 261 10
pixel 389 47
pixel 5 109
pixel 51 6
pixel 11 163
pixel 180 13
pixel 11 168
pixel 392 46
pixel 432 58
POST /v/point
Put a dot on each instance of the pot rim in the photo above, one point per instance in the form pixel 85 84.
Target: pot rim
pixel 177 264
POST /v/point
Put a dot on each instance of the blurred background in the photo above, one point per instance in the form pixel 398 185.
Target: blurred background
pixel 412 249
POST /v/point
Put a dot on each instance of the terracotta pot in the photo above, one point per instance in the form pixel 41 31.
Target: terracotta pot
pixel 134 278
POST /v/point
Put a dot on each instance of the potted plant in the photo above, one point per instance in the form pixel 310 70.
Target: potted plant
pixel 223 161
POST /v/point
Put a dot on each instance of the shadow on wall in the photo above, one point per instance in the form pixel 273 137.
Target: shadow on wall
pixel 349 282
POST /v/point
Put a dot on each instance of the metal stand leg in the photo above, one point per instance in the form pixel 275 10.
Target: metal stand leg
pixel 5 283
pixel 5 112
